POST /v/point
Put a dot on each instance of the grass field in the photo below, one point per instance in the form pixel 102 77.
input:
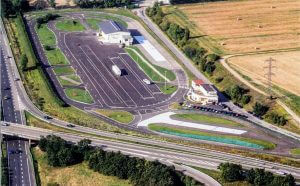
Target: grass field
pixel 243 26
pixel 70 26
pixel 75 175
pixel 63 70
pixel 287 71
pixel 295 151
pixel 80 95
pixel 208 119
pixel 118 115
pixel 197 134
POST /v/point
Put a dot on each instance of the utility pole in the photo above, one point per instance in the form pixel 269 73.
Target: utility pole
pixel 269 65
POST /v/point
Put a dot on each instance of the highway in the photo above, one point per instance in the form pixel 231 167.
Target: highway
pixel 20 170
pixel 161 151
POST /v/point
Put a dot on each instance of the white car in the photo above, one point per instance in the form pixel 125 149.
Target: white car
pixel 146 81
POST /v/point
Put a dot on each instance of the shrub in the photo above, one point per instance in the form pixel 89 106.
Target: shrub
pixel 260 109
pixel 277 119
pixel 212 57
pixel 219 79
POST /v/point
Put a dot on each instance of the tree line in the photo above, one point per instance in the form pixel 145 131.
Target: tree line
pixel 173 2
pixel 12 7
pixel 181 37
pixel 103 3
pixel 60 153
pixel 233 172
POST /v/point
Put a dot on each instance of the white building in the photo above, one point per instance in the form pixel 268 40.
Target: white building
pixel 203 93
pixel 115 33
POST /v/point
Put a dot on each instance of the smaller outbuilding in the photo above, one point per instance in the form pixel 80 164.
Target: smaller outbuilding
pixel 115 33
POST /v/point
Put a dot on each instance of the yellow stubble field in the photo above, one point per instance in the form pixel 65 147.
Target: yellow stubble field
pixel 254 26
pixel 249 25
pixel 286 71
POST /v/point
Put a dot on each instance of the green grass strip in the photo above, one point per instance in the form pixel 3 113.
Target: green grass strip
pixel 118 115
pixel 63 70
pixel 208 119
pixel 70 25
pixel 80 95
pixel 227 139
pixel 93 23
pixel 56 57
pixel 295 151
pixel 168 89
pixel 46 36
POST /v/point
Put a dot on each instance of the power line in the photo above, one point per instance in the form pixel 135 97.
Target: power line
pixel 269 65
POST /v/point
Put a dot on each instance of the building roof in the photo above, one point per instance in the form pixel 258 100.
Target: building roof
pixel 198 82
pixel 208 87
pixel 109 27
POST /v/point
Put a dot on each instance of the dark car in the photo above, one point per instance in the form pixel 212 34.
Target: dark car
pixel 47 117
pixel 70 125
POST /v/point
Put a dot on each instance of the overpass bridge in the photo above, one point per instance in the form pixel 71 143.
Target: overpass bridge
pixel 184 155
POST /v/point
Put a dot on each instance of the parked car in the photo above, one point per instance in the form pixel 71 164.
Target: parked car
pixel 147 81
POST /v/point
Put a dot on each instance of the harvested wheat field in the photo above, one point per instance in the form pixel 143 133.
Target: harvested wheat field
pixel 58 2
pixel 248 26
pixel 287 71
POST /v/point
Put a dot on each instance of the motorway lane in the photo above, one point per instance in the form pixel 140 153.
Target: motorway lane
pixel 186 155
pixel 20 172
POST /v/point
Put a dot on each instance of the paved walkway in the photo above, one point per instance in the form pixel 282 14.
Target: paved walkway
pixel 166 119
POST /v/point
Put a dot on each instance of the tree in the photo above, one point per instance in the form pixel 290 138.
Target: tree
pixel 186 34
pixel 231 172
pixel 212 57
pixel 259 109
pixel 250 176
pixel 23 62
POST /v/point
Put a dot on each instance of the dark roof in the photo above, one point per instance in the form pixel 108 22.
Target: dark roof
pixel 208 87
pixel 109 27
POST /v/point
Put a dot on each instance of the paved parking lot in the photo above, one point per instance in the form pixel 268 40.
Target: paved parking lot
pixel 93 60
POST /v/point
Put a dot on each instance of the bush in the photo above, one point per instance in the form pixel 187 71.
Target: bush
pixel 260 109
pixel 219 79
pixel 47 47
pixel 245 99
pixel 277 119
pixel 212 57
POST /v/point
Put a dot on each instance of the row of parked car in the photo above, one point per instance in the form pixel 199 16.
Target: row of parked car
pixel 219 109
